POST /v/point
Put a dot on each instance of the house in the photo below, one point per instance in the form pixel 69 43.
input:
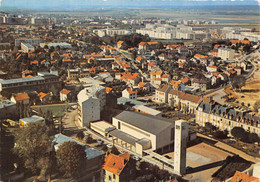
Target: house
pixel 139 59
pixel 44 97
pixel 65 95
pixel 32 119
pixel 243 177
pixel 116 168
pixel 120 44
pixel 212 68
pixel 227 116
pixel 21 98
pixel 144 86
pixel 161 94
pixel 130 93
pixel 92 166
pixel 202 83
pixel 7 109
pixel 175 84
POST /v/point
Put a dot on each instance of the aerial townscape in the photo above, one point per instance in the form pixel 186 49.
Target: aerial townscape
pixel 129 91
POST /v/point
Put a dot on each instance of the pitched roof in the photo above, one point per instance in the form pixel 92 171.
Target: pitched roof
pixel 65 91
pixel 116 163
pixel 242 177
pixel 42 95
pixel 174 83
pixel 131 91
pixel 120 42
pixel 20 97
pixel 184 80
pixel 145 122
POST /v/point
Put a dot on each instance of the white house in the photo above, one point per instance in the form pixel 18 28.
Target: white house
pixel 130 93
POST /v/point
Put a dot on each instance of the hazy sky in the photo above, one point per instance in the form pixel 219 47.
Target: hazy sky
pixel 120 3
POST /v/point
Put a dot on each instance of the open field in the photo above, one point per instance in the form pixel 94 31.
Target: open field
pixel 250 93
pixel 58 110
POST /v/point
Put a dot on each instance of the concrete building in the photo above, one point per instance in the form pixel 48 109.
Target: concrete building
pixel 180 145
pixel 92 166
pixel 161 94
pixel 91 101
pixel 7 109
pixel 226 54
pixel 147 110
pixel 26 47
pixel 33 42
pixel 62 45
pixel 41 83
pixel 112 32
pixel 138 132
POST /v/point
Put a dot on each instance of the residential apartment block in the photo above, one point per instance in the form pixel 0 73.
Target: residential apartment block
pixel 227 117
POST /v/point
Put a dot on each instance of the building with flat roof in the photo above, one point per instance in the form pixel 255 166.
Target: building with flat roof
pixel 94 158
pixel 41 83
pixel 226 54
pixel 32 119
pixel 33 42
pixel 26 47
pixel 147 110
pixel 7 109
pixel 91 101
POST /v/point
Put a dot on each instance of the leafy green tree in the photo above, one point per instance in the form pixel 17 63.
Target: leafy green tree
pixel 70 157
pixel 238 82
pixel 32 143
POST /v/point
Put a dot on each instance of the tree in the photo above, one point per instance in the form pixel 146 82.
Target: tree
pixel 80 135
pixel 238 82
pixel 32 142
pixel 257 106
pixel 70 157
pixel 238 132
pixel 220 134
pixel 253 137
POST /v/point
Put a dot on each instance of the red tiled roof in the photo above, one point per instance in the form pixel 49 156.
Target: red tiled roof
pixel 65 91
pixel 116 163
pixel 20 97
pixel 242 177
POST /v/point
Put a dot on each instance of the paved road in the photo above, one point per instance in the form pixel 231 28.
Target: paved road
pixel 69 124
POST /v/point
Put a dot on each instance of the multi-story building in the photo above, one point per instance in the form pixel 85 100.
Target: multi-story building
pixel 26 47
pixel 74 74
pixel 116 168
pixel 226 54
pixel 227 117
pixel 41 83
pixel 91 101
pixel 161 94
pixel 7 109
pixel 33 42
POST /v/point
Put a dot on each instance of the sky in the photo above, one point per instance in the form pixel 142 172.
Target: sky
pixel 118 3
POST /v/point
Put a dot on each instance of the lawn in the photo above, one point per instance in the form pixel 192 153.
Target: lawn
pixel 58 110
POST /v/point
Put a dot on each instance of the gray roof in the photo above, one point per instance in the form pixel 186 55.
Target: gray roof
pixel 124 136
pixel 149 123
pixel 91 152
pixel 33 118
pixel 6 103
pixel 124 100
pixel 21 80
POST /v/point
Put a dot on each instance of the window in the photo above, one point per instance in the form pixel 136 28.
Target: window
pixel 172 134
pixel 110 178
pixel 119 125
pixel 114 176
